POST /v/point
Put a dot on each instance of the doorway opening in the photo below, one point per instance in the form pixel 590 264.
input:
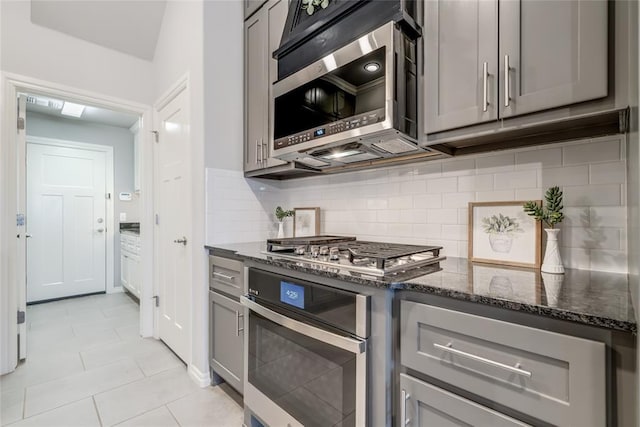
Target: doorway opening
pixel 66 182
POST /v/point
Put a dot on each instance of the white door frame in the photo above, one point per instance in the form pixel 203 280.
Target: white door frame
pixel 10 278
pixel 109 180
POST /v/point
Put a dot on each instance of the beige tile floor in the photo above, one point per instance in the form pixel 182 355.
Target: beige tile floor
pixel 87 366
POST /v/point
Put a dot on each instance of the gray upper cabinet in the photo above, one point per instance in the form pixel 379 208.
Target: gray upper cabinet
pixel 262 36
pixel 250 6
pixel 555 51
pixel 548 54
pixel 226 345
pixel 461 66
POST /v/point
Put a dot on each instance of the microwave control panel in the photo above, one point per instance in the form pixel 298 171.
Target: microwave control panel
pixel 330 129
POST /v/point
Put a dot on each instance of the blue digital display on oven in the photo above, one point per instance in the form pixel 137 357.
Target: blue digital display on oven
pixel 292 294
pixel 319 132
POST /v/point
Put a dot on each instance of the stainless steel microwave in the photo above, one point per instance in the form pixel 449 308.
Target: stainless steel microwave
pixel 356 104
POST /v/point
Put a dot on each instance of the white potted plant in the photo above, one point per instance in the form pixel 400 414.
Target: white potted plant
pixel 551 214
pixel 281 214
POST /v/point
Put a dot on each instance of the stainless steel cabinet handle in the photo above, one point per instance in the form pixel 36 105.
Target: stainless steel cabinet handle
pixel 238 328
pixel 507 98
pixel 403 410
pixel 515 369
pixel 485 94
pixel 345 343
pixel 183 241
pixel 258 152
pixel 224 276
pixel 264 153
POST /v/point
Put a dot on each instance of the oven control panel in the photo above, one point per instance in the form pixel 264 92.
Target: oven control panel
pixel 331 129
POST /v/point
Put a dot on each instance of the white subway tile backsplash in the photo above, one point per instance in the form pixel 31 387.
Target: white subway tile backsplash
pixel 592 152
pixel 518 179
pixel 442 185
pixel 495 163
pixel 427 203
pixel 539 158
pixel 608 173
pixel 457 200
pixel 593 195
pixel 475 183
pixel 442 216
pixel 568 175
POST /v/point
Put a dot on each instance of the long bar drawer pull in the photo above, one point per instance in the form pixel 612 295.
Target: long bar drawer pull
pixel 515 369
pixel 224 276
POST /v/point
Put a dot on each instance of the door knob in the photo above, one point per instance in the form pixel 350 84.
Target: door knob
pixel 28 236
pixel 183 241
pixel 100 230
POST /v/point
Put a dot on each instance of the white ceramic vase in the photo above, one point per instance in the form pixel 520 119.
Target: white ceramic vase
pixel 552 287
pixel 280 229
pixel 552 261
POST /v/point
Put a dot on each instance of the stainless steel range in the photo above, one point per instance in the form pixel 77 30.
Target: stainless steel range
pixel 339 252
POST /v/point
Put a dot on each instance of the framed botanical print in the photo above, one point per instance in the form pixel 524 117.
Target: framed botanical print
pixel 502 233
pixel 306 222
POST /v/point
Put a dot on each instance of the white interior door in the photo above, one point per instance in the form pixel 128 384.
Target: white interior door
pixel 21 260
pixel 66 219
pixel 173 225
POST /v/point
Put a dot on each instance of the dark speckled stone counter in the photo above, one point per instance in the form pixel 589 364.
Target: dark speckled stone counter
pixel 581 296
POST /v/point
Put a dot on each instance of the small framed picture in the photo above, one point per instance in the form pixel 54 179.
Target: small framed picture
pixel 502 233
pixel 306 222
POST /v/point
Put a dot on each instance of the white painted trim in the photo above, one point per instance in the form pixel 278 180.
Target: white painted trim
pixel 172 92
pixel 110 287
pixel 10 85
pixel 203 380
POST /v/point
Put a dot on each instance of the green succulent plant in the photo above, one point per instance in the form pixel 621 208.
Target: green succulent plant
pixel 312 5
pixel 281 214
pixel 551 214
pixel 500 224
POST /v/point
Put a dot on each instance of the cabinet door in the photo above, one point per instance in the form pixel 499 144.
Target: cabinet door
pixel 427 405
pixel 460 73
pixel 256 90
pixel 124 270
pixel 134 275
pixel 226 342
pixel 552 53
pixel 276 11
pixel 250 6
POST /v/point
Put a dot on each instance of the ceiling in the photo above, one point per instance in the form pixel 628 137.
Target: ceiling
pixel 52 107
pixel 130 26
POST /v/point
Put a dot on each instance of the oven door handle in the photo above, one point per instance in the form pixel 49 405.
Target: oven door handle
pixel 345 343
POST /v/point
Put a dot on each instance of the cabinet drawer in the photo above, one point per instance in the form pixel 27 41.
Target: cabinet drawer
pixel 226 275
pixel 553 377
pixel 427 405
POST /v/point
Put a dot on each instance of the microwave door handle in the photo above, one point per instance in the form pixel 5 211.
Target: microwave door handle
pixel 345 343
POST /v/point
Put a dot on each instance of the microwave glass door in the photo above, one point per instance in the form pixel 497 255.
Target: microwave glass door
pixel 313 381
pixel 350 90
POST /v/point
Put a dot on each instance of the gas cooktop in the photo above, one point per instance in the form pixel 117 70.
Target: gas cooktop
pixel 375 258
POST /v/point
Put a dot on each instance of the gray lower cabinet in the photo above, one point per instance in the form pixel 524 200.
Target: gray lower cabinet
pixel 425 405
pixel 250 7
pixel 556 378
pixel 495 59
pixel 262 33
pixel 226 342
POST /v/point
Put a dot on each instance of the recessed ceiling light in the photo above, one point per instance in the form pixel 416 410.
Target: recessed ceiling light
pixel 71 109
pixel 372 67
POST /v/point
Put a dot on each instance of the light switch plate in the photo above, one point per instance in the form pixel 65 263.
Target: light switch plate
pixel 123 216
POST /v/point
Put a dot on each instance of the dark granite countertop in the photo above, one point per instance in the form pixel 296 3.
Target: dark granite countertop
pixel 582 296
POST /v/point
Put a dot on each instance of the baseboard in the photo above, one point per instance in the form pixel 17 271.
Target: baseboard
pixel 199 377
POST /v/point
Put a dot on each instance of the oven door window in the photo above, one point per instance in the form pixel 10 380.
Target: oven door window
pixel 313 381
pixel 350 90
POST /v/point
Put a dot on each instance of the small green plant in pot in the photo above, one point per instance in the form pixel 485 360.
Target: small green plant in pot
pixel 551 215
pixel 281 214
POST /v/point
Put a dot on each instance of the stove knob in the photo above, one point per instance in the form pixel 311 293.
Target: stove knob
pixel 334 254
pixel 324 250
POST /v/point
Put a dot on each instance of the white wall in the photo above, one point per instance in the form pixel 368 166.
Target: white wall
pixel 179 52
pixel 427 202
pixel 122 142
pixel 223 85
pixel 38 52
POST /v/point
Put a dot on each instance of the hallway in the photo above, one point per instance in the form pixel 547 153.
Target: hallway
pixel 87 366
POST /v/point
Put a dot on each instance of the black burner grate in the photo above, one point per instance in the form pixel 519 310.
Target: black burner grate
pixel 383 252
pixel 291 242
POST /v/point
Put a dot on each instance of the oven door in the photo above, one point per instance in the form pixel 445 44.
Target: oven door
pixel 301 375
